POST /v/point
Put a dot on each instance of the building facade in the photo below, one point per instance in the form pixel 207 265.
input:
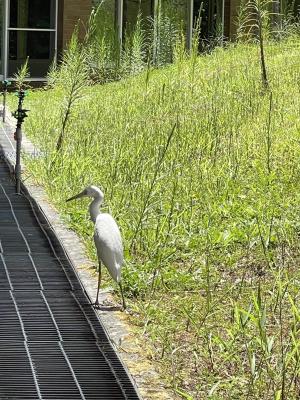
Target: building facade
pixel 40 29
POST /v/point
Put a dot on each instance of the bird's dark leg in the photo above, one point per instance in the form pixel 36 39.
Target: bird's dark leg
pixel 122 294
pixel 99 283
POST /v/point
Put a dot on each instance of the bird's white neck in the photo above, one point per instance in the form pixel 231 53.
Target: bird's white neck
pixel 94 208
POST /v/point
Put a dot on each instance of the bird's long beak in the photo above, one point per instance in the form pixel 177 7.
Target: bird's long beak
pixel 77 196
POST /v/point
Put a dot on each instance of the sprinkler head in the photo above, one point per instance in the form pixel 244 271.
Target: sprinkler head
pixel 6 83
pixel 21 94
pixel 20 115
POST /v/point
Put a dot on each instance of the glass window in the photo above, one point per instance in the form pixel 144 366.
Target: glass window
pixel 105 19
pixel 1 35
pixel 30 44
pixel 32 14
pixel 38 46
pixel 132 9
pixel 211 17
pixel 31 33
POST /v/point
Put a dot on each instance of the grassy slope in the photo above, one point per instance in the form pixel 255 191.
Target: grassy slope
pixel 210 225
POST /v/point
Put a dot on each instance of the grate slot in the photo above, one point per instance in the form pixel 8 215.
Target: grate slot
pixel 36 320
pixel 54 373
pixel 4 274
pixel 23 275
pixel 89 367
pixel 16 379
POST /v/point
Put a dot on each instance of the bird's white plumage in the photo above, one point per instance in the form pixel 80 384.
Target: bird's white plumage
pixel 109 246
pixel 107 237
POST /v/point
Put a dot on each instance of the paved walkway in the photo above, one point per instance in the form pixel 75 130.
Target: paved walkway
pixel 52 344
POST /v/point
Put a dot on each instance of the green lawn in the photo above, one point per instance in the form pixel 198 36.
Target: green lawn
pixel 201 169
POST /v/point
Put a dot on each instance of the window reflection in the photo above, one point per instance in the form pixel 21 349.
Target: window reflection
pixel 32 14
pixel 131 11
pixel 35 45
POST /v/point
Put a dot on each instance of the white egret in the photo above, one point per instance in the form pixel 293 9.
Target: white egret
pixel 107 238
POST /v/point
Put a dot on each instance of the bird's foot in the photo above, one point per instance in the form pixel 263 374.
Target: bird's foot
pixel 107 305
pixel 96 305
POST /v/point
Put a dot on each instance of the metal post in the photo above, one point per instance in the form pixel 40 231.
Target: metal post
pixel 156 41
pixel 18 158
pixel 20 115
pixel 119 21
pixel 4 105
pixel 5 84
pixel 190 25
pixel 5 39
pixel 223 21
pixel 56 33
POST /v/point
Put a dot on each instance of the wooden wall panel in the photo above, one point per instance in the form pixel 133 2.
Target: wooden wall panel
pixel 75 12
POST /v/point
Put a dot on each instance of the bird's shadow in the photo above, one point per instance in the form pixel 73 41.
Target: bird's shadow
pixel 102 307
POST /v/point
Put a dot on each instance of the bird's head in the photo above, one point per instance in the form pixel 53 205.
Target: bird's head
pixel 90 191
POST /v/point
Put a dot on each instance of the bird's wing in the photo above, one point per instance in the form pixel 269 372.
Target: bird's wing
pixel 109 245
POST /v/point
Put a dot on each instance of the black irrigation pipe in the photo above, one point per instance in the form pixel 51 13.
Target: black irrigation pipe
pixel 20 115
pixel 5 85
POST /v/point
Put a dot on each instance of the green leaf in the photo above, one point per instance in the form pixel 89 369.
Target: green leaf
pixel 213 389
pixel 184 394
pixel 270 343
pixel 253 365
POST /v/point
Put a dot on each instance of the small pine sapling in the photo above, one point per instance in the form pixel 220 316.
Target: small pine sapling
pixel 72 78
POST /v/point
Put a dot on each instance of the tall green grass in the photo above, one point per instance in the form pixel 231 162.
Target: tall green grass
pixel 147 40
pixel 201 168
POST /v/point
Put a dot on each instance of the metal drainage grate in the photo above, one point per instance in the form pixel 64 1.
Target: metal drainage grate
pixel 52 345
